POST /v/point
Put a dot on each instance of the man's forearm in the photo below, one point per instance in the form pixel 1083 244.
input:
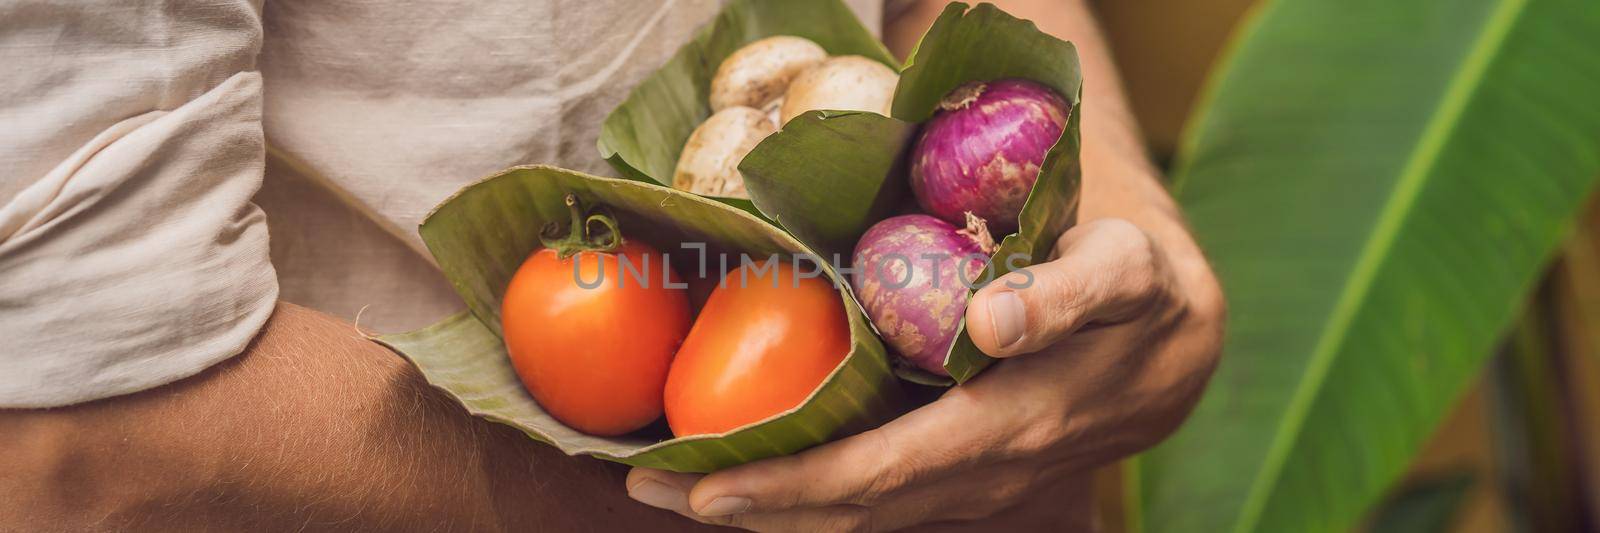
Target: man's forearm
pixel 312 427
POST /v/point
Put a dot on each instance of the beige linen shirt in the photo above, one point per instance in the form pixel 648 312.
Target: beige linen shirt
pixel 148 149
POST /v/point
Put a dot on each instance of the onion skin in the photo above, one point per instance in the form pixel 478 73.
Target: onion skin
pixel 918 318
pixel 982 151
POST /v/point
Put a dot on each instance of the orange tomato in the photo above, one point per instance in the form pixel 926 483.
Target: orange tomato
pixel 595 358
pixel 755 350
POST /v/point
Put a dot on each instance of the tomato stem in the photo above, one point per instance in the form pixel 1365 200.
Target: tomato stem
pixel 580 235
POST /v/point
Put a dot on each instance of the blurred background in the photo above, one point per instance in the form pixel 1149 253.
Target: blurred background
pixel 1519 450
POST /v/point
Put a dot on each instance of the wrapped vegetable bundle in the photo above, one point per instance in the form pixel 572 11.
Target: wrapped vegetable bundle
pixel 481 237
pixel 983 121
pixel 783 129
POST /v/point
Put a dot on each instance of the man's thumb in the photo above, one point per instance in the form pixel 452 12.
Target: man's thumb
pixel 1106 271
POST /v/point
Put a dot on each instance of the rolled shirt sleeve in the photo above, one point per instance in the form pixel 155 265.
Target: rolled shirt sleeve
pixel 130 147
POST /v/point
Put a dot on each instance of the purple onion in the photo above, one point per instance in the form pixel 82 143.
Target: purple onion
pixel 981 151
pixel 916 301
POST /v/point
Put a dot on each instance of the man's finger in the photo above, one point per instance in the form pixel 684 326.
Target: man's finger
pixel 662 489
pixel 670 491
pixel 979 495
pixel 1107 270
pixel 830 518
pixel 858 470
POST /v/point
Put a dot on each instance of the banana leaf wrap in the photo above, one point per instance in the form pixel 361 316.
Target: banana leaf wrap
pixel 482 234
pixel 829 175
pixel 643 136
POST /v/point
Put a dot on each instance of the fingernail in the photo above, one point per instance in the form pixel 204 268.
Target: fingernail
pixel 1007 317
pixel 657 494
pixel 725 505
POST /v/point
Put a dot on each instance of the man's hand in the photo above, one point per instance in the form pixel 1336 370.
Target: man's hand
pixel 1106 352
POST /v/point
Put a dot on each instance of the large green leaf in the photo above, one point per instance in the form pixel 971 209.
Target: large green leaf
pixel 483 233
pixel 828 176
pixel 981 43
pixel 642 137
pixel 1378 183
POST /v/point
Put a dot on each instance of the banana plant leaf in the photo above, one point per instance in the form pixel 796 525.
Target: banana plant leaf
pixel 1378 184
pixel 483 233
pixel 827 176
pixel 642 138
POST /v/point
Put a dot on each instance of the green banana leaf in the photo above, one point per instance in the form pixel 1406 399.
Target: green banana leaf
pixel 828 176
pixel 1378 184
pixel 482 234
pixel 642 137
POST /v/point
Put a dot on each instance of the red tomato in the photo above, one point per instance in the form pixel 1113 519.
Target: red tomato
pixel 595 358
pixel 755 350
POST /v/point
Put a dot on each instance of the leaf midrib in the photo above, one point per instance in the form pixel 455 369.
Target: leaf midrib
pixel 1458 96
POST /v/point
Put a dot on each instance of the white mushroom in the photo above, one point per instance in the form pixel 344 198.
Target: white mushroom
pixel 709 164
pixel 844 83
pixel 759 72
